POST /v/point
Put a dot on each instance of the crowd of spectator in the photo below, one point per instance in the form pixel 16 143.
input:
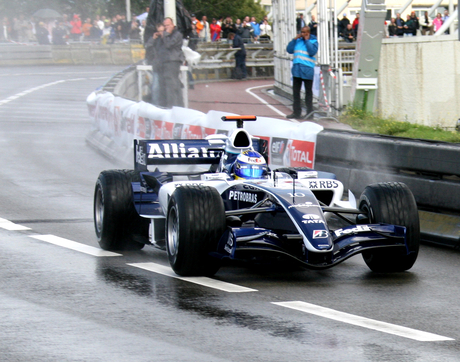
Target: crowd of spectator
pixel 101 29
pixel 250 30
pixel 396 27
pixel 65 29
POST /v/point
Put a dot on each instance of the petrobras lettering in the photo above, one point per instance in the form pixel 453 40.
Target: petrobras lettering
pixel 242 196
pixel 357 229
pixel 312 219
pixel 322 184
pixel 179 150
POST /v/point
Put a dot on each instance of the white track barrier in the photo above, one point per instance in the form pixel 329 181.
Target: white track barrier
pixel 122 120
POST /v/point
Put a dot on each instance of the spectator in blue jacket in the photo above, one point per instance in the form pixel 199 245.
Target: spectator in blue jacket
pixel 256 26
pixel 304 47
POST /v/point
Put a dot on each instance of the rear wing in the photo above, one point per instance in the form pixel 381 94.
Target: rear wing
pixel 177 152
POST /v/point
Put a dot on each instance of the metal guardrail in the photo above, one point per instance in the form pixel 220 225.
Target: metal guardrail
pixel 430 169
pixel 217 61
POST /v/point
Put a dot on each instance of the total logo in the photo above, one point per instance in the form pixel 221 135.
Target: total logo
pixel 312 219
pixel 357 229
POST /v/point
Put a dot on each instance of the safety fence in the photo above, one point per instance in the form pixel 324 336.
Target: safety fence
pixel 217 59
pixel 430 169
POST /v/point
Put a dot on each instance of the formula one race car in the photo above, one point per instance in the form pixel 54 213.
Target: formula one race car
pixel 216 198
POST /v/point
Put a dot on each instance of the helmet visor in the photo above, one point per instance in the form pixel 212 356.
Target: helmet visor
pixel 251 171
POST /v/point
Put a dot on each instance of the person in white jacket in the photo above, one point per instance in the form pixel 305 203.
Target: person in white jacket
pixel 265 30
pixel 205 32
pixel 426 24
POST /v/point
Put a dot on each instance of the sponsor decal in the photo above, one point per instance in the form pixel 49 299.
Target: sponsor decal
pixel 229 245
pixel 177 131
pixel 140 155
pixel 208 131
pixel 312 219
pixel 178 150
pixel 301 153
pixel 141 132
pixel 192 132
pixel 157 127
pixel 323 184
pixel 320 234
pixel 168 130
pixel 304 204
pixel 148 128
pixel 254 160
pixel 242 196
pixel 357 229
pixel 163 130
pixel 277 149
pixel 189 184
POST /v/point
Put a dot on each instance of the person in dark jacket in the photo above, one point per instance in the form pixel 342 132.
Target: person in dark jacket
pixel 246 31
pixel 228 27
pixel 167 57
pixel 240 56
pixel 60 34
pixel 42 34
pixel 304 47
pixel 348 34
pixel 313 25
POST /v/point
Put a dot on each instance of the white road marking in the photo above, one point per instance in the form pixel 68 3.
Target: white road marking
pixel 207 282
pixel 69 244
pixel 23 93
pixel 364 322
pixel 262 100
pixel 8 225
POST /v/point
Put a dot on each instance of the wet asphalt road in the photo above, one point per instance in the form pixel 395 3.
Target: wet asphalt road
pixel 69 303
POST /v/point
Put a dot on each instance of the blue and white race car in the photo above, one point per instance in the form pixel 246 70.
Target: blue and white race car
pixel 207 200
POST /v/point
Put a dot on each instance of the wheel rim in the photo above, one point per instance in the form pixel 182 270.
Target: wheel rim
pixel 173 231
pixel 99 210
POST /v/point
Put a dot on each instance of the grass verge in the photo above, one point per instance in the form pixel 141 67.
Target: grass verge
pixel 368 122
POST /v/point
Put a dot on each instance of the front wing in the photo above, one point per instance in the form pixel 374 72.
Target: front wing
pixel 258 244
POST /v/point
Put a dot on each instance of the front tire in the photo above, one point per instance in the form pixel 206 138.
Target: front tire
pixel 195 222
pixel 392 203
pixel 116 221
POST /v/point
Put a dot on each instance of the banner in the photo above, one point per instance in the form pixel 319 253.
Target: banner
pixel 123 120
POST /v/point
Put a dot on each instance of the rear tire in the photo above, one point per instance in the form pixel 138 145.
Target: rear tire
pixel 392 203
pixel 194 225
pixel 116 221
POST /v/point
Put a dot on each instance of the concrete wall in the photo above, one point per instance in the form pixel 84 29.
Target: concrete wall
pixel 75 53
pixel 419 80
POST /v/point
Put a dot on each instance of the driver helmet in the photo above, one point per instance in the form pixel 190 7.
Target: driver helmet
pixel 250 165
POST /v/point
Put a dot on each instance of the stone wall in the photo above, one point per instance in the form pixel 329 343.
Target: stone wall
pixel 419 80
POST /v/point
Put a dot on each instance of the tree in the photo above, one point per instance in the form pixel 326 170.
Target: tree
pixel 236 9
pixel 86 8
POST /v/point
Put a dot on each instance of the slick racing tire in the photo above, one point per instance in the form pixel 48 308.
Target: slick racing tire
pixel 117 223
pixel 391 203
pixel 194 224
